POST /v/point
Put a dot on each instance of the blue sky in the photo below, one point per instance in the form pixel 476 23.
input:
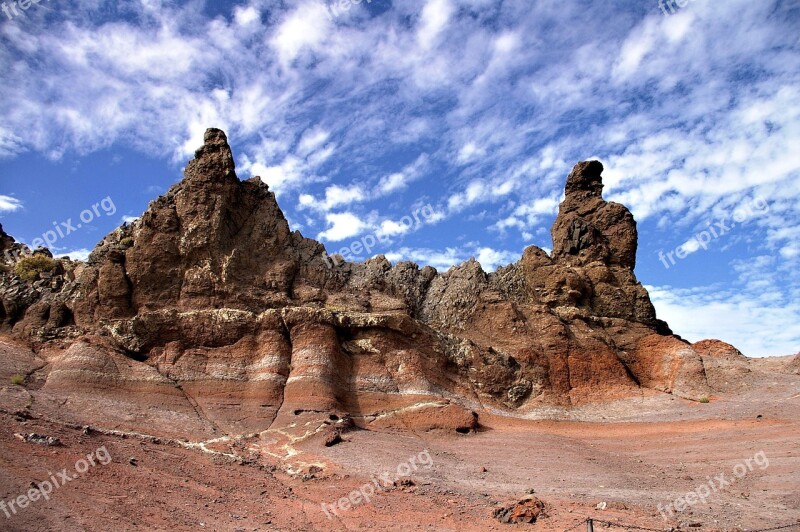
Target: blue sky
pixel 479 108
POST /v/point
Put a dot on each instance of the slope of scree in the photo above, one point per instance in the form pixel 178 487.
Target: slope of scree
pixel 210 306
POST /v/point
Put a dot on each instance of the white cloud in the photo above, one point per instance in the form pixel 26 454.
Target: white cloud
pixel 489 258
pixel 312 140
pixel 76 254
pixel 469 152
pixel 638 45
pixel 400 180
pixel 440 259
pixel 528 215
pixel 738 319
pixel 9 204
pixel 246 16
pixel 392 228
pixel 691 245
pixel 390 183
pixel 290 173
pixel 341 226
pixel 433 20
pixel 306 27
pixel 10 144
pixel 475 191
pixel 335 196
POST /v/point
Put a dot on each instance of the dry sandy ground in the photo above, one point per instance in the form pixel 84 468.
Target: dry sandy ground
pixel 631 455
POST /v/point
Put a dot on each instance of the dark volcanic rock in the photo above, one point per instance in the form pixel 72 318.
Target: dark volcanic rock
pixel 34 309
pixel 211 242
pixel 526 511
pixel 601 238
pixel 588 228
pixel 6 242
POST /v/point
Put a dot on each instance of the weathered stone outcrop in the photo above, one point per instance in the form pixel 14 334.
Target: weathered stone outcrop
pixel 35 307
pixel 794 365
pixel 589 229
pixel 211 294
pixel 6 243
pixel 211 242
pixel 725 365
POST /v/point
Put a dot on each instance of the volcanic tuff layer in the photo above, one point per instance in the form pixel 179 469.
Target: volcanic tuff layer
pixel 209 304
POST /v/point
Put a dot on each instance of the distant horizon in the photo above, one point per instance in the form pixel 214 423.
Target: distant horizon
pixel 476 109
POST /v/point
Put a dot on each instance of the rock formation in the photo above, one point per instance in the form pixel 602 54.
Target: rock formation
pixel 209 301
pixel 794 365
pixel 6 242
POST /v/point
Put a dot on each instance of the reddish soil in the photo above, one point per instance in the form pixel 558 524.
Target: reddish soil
pixel 644 453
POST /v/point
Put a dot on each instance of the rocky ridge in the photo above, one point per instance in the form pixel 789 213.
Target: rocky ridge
pixel 210 306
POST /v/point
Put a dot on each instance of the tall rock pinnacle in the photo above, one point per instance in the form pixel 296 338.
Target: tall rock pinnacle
pixel 585 180
pixel 214 160
pixel 590 229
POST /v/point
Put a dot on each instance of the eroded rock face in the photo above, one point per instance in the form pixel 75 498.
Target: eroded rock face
pixel 724 364
pixel 601 238
pixel 589 229
pixel 6 243
pixel 794 365
pixel 211 294
pixel 211 242
pixel 527 510
pixel 36 307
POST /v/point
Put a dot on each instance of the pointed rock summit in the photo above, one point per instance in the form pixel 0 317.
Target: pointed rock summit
pixel 585 181
pixel 6 244
pixel 212 241
pixel 214 160
pixel 588 228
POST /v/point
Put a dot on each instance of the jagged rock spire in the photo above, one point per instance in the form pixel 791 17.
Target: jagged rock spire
pixel 214 160
pixel 588 228
pixel 585 177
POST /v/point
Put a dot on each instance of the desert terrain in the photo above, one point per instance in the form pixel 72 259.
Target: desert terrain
pixel 209 368
pixel 632 455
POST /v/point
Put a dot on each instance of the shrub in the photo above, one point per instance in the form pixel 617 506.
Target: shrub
pixel 126 242
pixel 29 268
pixel 705 399
pixel 17 380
